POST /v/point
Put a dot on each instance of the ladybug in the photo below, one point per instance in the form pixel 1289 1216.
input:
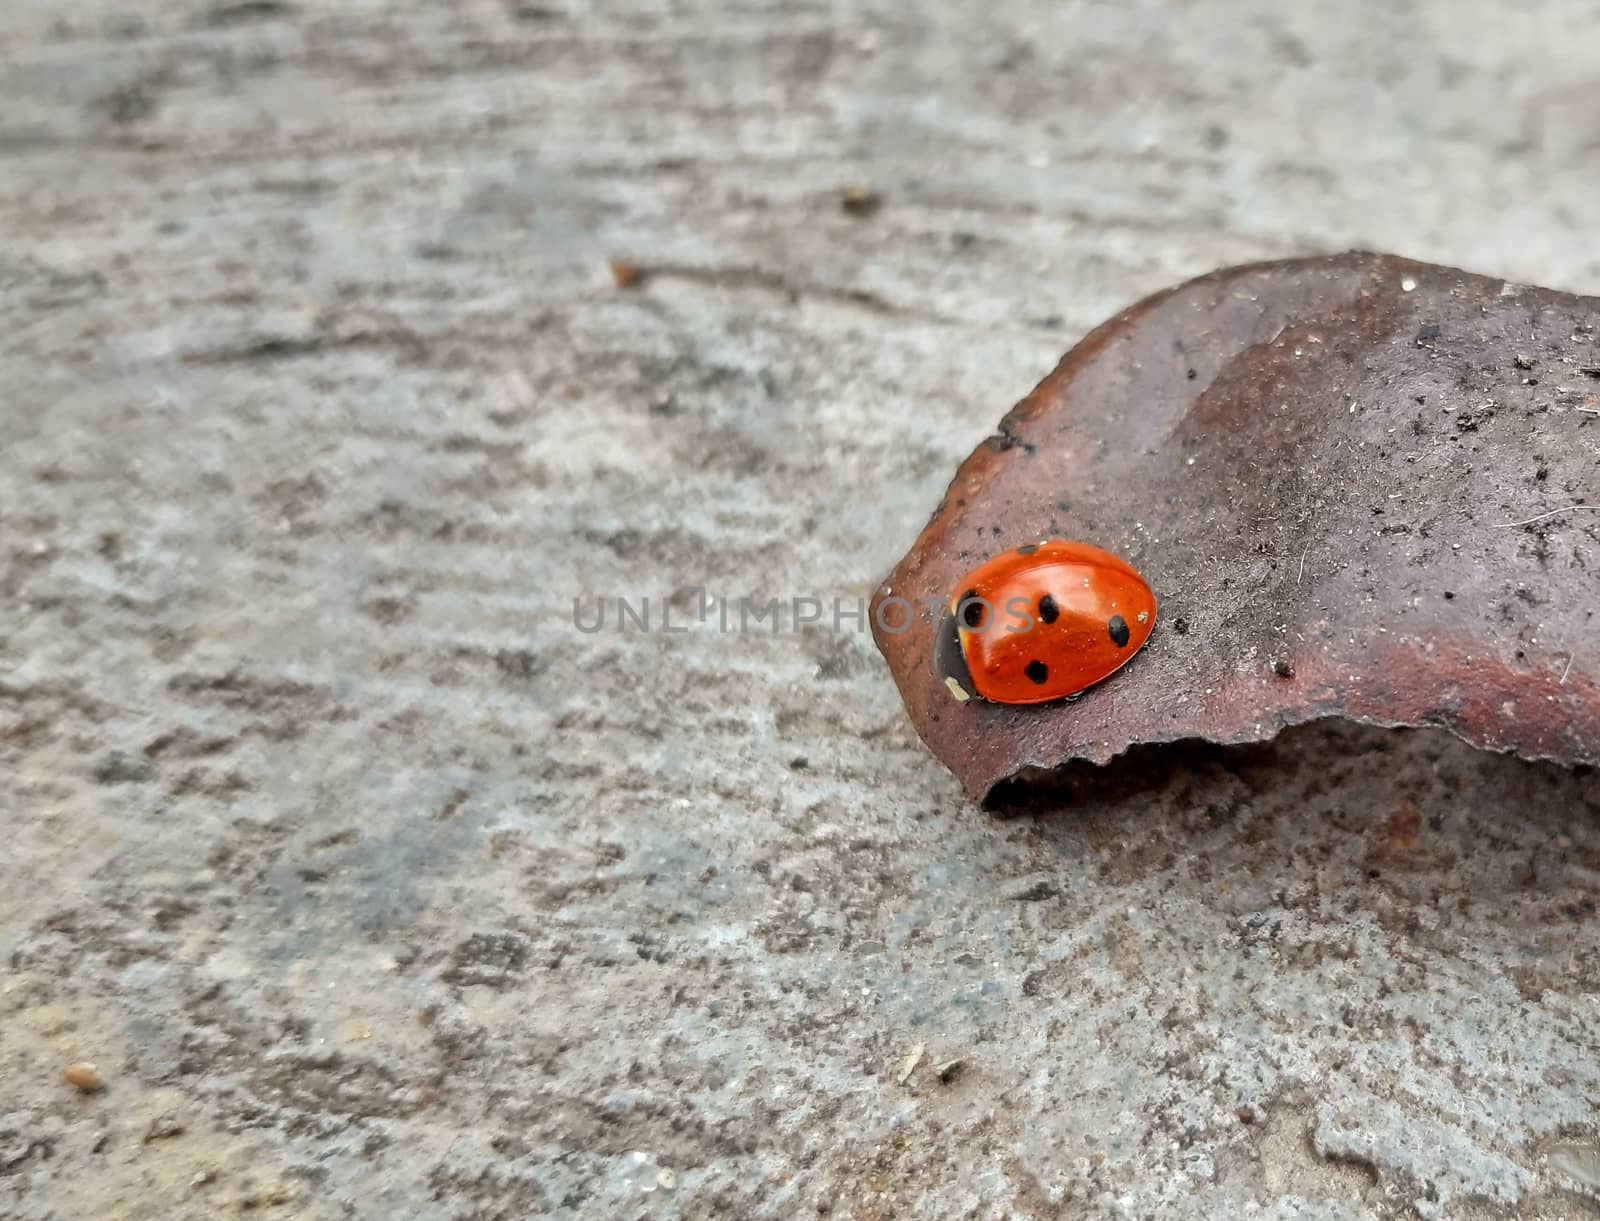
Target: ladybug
pixel 1041 623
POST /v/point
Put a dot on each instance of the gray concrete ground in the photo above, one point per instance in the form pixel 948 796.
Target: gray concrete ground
pixel 373 888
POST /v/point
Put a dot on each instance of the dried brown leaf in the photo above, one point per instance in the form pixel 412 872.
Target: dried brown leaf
pixel 1360 486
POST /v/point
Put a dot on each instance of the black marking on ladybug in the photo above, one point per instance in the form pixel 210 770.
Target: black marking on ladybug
pixel 949 659
pixel 1037 671
pixel 1027 548
pixel 973 610
pixel 1118 628
pixel 1048 610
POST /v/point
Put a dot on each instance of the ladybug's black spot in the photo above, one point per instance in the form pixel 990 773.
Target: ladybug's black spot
pixel 1119 631
pixel 973 611
pixel 1048 610
pixel 1038 671
pixel 1027 548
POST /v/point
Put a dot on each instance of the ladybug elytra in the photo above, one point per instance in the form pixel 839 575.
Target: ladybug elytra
pixel 1042 622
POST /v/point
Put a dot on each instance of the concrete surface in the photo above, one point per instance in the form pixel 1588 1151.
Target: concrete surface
pixel 373 888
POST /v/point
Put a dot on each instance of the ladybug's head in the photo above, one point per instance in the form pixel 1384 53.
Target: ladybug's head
pixel 950 659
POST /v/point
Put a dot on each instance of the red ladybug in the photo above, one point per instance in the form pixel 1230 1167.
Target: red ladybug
pixel 1042 623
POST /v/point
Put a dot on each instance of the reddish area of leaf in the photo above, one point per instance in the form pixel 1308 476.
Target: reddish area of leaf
pixel 1360 486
